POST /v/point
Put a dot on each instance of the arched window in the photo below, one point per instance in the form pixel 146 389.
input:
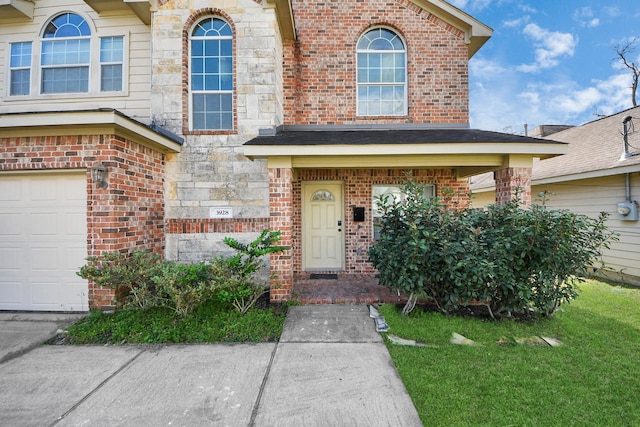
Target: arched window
pixel 211 75
pixel 66 55
pixel 382 74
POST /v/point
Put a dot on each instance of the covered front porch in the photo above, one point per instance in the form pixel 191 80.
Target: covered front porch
pixel 342 288
pixel 323 180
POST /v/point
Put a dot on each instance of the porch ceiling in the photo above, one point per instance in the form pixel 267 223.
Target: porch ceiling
pixel 468 151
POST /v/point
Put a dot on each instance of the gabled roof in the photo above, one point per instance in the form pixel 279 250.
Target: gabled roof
pixel 595 149
pixel 476 33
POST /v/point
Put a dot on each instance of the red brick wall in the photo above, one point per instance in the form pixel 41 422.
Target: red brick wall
pixel 510 180
pixel 358 183
pixel 128 214
pixel 320 67
pixel 281 219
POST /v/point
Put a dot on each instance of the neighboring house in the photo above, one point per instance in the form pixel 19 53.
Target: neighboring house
pixel 597 175
pixel 215 119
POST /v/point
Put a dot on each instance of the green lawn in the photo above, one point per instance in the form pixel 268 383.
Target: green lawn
pixel 592 379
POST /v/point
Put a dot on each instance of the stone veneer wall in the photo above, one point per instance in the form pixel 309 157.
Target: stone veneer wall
pixel 127 215
pixel 211 170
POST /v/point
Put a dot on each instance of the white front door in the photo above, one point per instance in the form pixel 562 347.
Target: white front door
pixel 43 241
pixel 322 226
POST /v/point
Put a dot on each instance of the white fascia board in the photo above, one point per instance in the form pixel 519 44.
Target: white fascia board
pixel 84 122
pixel 586 175
pixel 536 150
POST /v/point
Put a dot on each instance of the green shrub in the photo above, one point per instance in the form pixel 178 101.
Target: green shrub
pixel 512 260
pixel 131 275
pixel 184 287
pixel 143 279
pixel 241 288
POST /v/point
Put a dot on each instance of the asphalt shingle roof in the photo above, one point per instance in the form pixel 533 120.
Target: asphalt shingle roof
pixel 391 136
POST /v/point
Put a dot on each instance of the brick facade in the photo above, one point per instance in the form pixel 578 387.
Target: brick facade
pixel 510 181
pixel 128 214
pixel 286 213
pixel 320 67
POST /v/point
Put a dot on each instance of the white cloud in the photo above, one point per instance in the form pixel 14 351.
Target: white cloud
pixel 551 45
pixel 503 104
pixel 516 22
pixel 585 17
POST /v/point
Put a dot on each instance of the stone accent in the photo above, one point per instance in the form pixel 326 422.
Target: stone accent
pixel 511 180
pixel 127 215
pixel 211 170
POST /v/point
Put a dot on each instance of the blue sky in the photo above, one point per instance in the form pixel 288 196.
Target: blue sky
pixel 550 61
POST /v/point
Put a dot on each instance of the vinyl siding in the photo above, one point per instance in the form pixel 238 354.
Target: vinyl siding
pixel 133 101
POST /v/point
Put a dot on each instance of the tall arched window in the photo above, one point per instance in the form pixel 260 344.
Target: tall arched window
pixel 66 55
pixel 382 74
pixel 211 75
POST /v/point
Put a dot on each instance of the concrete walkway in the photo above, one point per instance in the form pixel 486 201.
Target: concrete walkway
pixel 330 368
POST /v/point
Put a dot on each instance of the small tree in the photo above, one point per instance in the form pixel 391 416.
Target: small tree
pixel 624 52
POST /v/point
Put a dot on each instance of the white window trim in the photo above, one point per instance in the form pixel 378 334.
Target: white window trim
pixel 406 75
pixel 375 214
pixel 191 91
pixel 94 76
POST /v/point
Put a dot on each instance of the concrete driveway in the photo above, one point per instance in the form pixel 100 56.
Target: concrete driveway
pixel 330 368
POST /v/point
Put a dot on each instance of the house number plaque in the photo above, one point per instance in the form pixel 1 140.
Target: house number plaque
pixel 221 213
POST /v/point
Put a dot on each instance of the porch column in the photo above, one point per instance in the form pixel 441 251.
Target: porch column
pixel 511 181
pixel 281 219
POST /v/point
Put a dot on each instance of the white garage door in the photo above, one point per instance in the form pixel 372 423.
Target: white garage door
pixel 43 241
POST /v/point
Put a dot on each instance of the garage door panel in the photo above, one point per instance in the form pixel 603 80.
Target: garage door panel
pixel 42 189
pixel 43 224
pixel 11 292
pixel 44 259
pixel 12 259
pixel 43 242
pixel 74 224
pixel 9 225
pixel 10 190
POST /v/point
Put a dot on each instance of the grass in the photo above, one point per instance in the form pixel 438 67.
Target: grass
pixel 592 379
pixel 211 322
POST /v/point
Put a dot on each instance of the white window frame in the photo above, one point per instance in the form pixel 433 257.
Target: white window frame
pixel 19 68
pixel 191 91
pixel 396 192
pixel 94 77
pixel 359 84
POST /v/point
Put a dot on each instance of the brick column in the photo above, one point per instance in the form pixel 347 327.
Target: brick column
pixel 510 181
pixel 281 219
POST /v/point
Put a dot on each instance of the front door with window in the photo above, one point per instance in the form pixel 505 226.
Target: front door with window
pixel 322 226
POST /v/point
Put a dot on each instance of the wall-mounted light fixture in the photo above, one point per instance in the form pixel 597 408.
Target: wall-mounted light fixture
pixel 99 175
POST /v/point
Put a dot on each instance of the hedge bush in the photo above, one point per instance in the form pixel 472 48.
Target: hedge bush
pixel 512 260
pixel 143 279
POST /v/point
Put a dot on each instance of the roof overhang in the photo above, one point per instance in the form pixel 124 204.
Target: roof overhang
pixel 142 8
pixel 470 152
pixel 88 122
pixel 16 9
pixel 476 33
pixel 284 14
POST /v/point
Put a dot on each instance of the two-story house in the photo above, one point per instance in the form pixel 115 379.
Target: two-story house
pixel 168 125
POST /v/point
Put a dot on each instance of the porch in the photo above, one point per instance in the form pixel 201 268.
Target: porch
pixel 342 288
